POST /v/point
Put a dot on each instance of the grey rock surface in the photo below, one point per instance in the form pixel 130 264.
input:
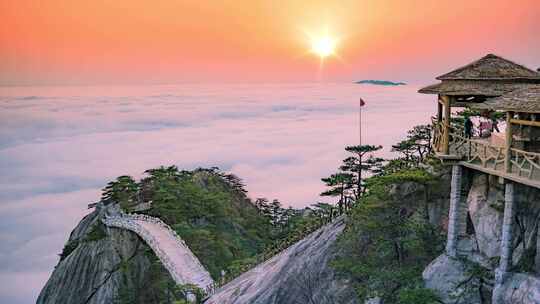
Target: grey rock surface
pixel 95 271
pixel 449 279
pixel 521 288
pixel 483 202
pixel 373 301
pixel 301 274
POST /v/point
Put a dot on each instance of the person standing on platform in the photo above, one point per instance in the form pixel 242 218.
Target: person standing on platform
pixel 468 127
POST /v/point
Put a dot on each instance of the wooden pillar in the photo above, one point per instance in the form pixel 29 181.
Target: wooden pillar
pixel 446 133
pixel 508 145
pixel 457 217
pixel 439 110
pixel 507 246
pixel 507 231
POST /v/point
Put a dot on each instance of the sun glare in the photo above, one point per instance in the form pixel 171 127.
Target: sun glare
pixel 323 46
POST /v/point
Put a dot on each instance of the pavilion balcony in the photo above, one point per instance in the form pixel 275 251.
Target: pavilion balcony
pixel 489 155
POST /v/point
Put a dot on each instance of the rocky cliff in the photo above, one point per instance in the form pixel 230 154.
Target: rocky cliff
pixel 470 277
pixel 104 264
pixel 100 263
pixel 115 266
pixel 118 266
pixel 300 274
pixel 206 208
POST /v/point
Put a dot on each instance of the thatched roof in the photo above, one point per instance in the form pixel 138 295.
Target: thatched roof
pixel 525 100
pixel 467 87
pixel 491 67
pixel 489 76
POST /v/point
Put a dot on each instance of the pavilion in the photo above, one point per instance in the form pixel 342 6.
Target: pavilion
pixel 488 87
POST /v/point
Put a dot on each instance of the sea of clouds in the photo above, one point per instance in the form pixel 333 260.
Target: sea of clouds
pixel 60 145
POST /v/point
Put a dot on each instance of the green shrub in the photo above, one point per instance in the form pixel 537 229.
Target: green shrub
pixel 96 233
pixel 186 289
pixel 389 240
pixel 69 247
pixel 417 296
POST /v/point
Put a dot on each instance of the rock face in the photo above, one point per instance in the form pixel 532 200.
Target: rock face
pixel 469 278
pixel 300 274
pixel 102 264
pixel 520 288
pixel 99 267
pixel 484 199
pixel 103 261
pixel 451 279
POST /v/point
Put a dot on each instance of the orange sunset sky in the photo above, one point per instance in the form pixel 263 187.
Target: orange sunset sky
pixel 172 41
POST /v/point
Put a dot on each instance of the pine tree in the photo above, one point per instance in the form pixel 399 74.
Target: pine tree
pixel 263 206
pixel 123 191
pixel 417 146
pixel 340 185
pixel 361 162
pixel 324 211
pixel 276 214
pixel 421 136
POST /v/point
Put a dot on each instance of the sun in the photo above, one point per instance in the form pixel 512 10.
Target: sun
pixel 323 46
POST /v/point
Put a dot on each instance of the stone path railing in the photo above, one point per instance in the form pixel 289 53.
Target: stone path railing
pixel 188 271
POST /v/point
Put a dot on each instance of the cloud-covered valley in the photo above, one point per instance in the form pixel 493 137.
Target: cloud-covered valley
pixel 60 145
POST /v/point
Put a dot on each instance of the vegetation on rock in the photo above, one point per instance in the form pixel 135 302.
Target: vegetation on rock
pixel 389 238
pixel 347 183
pixel 387 243
pixel 156 287
pixel 96 233
pixel 209 209
pixel 68 248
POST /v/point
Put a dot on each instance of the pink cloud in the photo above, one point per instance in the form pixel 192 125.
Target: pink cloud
pixel 63 145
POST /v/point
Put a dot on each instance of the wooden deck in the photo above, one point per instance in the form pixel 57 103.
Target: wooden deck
pixel 484 156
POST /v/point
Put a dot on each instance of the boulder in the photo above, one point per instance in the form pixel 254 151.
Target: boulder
pixel 449 279
pixel 96 270
pixel 485 209
pixel 93 272
pixel 521 288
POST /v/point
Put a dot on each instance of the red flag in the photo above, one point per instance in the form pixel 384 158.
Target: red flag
pixel 362 103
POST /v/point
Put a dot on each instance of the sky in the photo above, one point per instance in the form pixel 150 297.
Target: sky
pixel 169 41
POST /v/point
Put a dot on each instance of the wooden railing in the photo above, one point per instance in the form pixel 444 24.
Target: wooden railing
pixel 489 156
pixel 482 153
pixel 459 145
pixel 438 135
pixel 477 152
pixel 525 163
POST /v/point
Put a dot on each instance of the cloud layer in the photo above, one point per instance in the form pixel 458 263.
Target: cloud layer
pixel 60 146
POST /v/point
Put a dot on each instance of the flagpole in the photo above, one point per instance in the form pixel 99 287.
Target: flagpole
pixel 360 122
pixel 360 101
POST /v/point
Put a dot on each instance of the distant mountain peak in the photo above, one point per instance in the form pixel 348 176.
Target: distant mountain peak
pixel 380 82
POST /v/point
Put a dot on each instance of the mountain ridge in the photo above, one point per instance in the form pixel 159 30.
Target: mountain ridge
pixel 380 82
